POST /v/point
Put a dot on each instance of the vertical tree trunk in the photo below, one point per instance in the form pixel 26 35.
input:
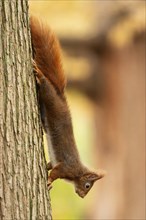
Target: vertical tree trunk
pixel 23 180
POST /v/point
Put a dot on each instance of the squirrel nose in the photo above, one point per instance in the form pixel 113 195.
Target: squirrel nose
pixel 77 191
pixel 82 195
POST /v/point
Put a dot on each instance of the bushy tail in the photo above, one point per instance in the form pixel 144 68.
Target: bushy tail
pixel 47 53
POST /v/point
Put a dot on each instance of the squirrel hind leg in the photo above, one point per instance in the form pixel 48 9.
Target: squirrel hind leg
pixel 37 72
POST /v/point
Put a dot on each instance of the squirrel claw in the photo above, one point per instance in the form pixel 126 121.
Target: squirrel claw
pixel 35 68
pixel 49 186
pixel 37 71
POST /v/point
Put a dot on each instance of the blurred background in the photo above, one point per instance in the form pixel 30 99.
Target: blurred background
pixel 104 59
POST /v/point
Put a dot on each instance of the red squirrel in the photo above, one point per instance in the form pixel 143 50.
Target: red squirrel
pixel 64 157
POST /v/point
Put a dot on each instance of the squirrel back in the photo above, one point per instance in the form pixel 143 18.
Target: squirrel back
pixel 47 53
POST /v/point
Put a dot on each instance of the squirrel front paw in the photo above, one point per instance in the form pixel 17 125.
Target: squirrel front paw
pixel 49 166
pixel 49 184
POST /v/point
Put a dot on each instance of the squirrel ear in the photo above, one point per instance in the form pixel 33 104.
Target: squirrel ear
pixel 101 173
pixel 96 176
pixel 93 177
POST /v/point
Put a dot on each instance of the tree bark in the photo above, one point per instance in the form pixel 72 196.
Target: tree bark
pixel 23 193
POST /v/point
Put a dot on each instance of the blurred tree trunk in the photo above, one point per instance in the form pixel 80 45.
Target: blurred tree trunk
pixel 23 191
pixel 116 84
pixel 121 135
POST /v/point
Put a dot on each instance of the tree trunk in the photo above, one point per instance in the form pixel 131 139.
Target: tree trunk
pixel 23 193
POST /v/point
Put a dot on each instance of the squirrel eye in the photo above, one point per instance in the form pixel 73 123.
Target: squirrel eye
pixel 87 185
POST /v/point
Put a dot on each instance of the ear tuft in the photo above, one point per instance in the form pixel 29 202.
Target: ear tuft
pixel 101 173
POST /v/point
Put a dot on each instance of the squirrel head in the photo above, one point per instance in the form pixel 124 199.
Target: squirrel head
pixel 85 182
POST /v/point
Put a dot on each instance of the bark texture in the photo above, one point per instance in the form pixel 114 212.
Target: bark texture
pixel 23 193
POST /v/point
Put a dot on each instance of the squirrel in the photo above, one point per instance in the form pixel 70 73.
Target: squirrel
pixel 56 119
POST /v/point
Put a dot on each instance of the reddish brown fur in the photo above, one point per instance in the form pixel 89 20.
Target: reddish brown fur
pixel 47 53
pixel 64 157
